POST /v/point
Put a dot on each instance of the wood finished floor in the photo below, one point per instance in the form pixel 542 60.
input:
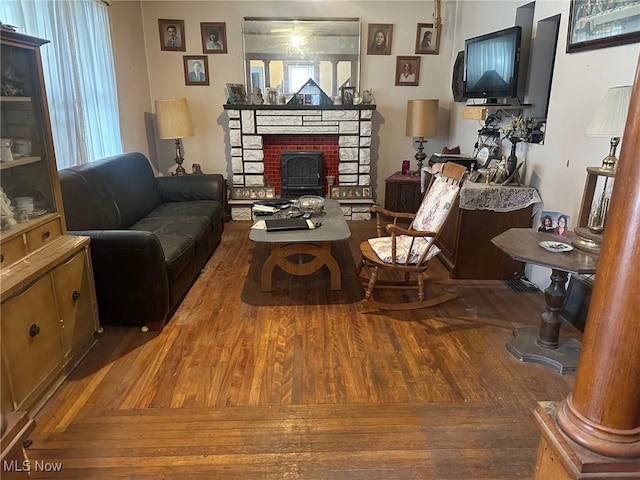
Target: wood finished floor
pixel 301 384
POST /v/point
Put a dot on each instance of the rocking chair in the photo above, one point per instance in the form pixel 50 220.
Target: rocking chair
pixel 408 250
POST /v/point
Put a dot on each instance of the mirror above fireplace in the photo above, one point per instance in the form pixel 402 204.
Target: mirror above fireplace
pixel 284 53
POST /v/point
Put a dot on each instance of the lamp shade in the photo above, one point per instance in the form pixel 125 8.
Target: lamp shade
pixel 173 118
pixel 422 118
pixel 611 116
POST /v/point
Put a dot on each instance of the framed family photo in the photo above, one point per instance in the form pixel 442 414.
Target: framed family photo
pixel 602 24
pixel 407 71
pixel 172 35
pixel 196 70
pixel 214 37
pixel 379 38
pixel 236 94
pixel 347 93
pixel 427 39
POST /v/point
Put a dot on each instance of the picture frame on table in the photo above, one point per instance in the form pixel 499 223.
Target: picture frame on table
pixel 172 35
pixel 407 71
pixel 592 25
pixel 196 69
pixel 379 36
pixel 427 39
pixel 214 37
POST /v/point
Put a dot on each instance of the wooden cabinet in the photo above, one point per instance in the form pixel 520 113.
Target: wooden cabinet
pixel 402 193
pixel 466 245
pixel 48 303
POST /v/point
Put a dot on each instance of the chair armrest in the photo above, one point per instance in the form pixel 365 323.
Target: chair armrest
pixel 130 274
pixel 389 213
pixel 181 188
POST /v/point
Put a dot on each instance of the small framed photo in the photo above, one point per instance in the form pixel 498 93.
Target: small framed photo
pixel 427 39
pixel 272 96
pixel 214 37
pixel 236 94
pixel 196 70
pixel 407 71
pixel 172 35
pixel 379 38
pixel 347 93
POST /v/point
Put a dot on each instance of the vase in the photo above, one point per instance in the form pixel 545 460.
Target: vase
pixel 512 160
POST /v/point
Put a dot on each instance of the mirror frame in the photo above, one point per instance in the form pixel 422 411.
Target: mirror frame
pixel 314 28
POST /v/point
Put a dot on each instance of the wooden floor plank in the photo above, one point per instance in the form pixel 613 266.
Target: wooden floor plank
pixel 300 383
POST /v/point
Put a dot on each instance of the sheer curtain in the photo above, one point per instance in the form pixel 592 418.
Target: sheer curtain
pixel 79 74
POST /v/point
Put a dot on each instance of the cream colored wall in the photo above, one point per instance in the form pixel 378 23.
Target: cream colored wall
pixel 131 74
pixel 580 80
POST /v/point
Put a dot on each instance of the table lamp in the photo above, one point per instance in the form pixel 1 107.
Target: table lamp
pixel 609 121
pixel 422 122
pixel 174 122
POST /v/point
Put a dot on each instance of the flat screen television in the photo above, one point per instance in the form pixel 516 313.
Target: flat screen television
pixel 491 64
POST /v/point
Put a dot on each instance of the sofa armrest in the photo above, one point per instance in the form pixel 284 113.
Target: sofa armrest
pixel 130 274
pixel 181 188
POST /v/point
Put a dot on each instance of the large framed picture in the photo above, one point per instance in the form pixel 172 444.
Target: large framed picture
pixel 379 38
pixel 602 24
pixel 196 70
pixel 214 37
pixel 172 35
pixel 407 71
pixel 427 39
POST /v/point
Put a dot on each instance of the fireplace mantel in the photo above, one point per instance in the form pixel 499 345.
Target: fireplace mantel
pixel 350 124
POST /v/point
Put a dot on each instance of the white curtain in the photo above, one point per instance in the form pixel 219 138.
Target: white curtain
pixel 79 74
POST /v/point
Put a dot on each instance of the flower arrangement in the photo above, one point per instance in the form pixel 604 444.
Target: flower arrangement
pixel 518 130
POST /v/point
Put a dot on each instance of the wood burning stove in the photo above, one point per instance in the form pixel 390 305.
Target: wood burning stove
pixel 301 173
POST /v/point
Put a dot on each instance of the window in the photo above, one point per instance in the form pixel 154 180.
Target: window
pixel 79 75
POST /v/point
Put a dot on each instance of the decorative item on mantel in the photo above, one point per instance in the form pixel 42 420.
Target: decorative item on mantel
pixel 518 130
pixel 174 122
pixel 609 121
pixel 422 122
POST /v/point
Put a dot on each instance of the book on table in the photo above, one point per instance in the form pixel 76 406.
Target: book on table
pixel 280 224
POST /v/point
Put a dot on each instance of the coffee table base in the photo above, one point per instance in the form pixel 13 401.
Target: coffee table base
pixel 321 256
pixel 525 348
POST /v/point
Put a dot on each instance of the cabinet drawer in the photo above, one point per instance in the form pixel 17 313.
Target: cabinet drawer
pixel 30 341
pixel 74 296
pixel 40 236
pixel 12 251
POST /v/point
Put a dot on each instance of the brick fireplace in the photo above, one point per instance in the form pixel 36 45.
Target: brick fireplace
pixel 258 133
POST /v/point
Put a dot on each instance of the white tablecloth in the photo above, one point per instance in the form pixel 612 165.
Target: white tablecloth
pixel 499 198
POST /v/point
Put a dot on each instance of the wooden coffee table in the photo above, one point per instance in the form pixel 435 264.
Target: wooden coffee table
pixel 315 243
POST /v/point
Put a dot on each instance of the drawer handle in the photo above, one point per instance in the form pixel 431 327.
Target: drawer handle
pixel 1 258
pixel 46 235
pixel 75 295
pixel 34 330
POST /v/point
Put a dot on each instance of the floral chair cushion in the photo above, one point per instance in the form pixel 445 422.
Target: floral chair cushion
pixel 382 247
pixel 435 205
pixel 431 214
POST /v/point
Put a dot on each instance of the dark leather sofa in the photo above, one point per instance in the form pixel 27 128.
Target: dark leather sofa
pixel 150 236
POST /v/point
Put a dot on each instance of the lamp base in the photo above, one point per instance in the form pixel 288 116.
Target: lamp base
pixel 179 159
pixel 610 162
pixel 587 240
pixel 420 155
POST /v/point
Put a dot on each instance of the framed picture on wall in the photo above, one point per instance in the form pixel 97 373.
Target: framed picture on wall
pixel 427 39
pixel 214 37
pixel 379 38
pixel 602 24
pixel 172 36
pixel 407 71
pixel 196 70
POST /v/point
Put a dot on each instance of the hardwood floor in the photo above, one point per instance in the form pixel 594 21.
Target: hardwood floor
pixel 301 384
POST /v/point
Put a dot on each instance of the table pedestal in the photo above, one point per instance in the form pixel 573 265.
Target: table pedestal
pixel 542 346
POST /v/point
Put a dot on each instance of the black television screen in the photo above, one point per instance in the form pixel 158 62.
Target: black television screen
pixel 491 64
